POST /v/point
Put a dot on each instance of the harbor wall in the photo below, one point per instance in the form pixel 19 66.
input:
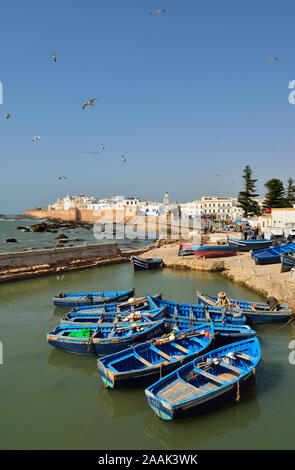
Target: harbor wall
pixel 53 256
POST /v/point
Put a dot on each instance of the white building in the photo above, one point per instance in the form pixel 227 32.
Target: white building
pixel 218 207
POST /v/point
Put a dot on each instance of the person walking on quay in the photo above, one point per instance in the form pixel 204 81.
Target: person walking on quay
pixel 245 234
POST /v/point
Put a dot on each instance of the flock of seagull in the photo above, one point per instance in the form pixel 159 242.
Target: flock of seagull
pixel 91 102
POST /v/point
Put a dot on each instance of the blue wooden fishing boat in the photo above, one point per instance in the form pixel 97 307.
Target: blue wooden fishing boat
pixel 200 312
pixel 91 298
pixel 103 340
pixel 272 255
pixel 133 304
pixel 228 332
pixel 255 312
pixel 287 261
pixel 214 251
pixel 141 264
pixel 91 319
pixel 206 383
pixel 248 245
pixel 145 363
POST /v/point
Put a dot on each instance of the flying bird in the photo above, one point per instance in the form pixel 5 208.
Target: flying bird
pixel 62 177
pixel 8 116
pixel 89 103
pixel 102 146
pixel 271 59
pixel 54 56
pixel 37 137
pixel 124 158
pixel 156 12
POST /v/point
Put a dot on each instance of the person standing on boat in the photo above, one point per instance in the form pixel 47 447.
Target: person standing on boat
pixel 223 300
pixel 273 303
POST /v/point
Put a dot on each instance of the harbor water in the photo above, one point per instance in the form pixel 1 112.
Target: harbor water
pixel 54 400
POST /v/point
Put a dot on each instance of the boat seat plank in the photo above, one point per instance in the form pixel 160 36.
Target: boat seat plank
pixel 228 377
pixel 144 361
pixel 244 356
pixel 161 353
pixel 209 376
pixel 181 348
pixel 178 391
pixel 238 370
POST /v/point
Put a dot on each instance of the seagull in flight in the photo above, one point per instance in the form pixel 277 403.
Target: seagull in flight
pixel 62 177
pixel 37 137
pixel 156 12
pixel 54 56
pixel 124 158
pixel 271 59
pixel 89 103
pixel 8 116
pixel 102 146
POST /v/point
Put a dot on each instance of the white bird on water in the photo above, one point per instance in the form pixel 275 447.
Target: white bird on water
pixel 37 137
pixel 89 103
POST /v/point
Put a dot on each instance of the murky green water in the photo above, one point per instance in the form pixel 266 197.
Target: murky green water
pixel 53 400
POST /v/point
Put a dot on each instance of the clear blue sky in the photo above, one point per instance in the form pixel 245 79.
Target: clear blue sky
pixel 173 94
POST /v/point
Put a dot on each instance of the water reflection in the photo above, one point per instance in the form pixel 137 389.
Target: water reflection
pixel 83 365
pixel 123 402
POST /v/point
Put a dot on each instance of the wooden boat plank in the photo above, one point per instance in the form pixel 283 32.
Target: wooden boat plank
pixel 209 376
pixel 228 377
pixel 178 391
pixel 238 370
pixel 161 353
pixel 244 356
pixel 181 348
pixel 144 361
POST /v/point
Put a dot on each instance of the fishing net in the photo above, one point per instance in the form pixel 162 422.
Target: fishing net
pixel 84 333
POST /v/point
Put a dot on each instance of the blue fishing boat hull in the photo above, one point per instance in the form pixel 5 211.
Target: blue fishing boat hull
pixel 141 264
pixel 200 312
pixel 100 347
pixel 191 390
pixel 223 332
pixel 262 313
pixel 248 245
pixel 91 298
pixel 87 319
pixel 116 378
pixel 272 255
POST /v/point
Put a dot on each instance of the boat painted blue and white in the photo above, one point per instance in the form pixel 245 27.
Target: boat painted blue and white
pixel 145 363
pixel 248 245
pixel 102 340
pixel 69 300
pixel 200 312
pixel 255 312
pixel 213 380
